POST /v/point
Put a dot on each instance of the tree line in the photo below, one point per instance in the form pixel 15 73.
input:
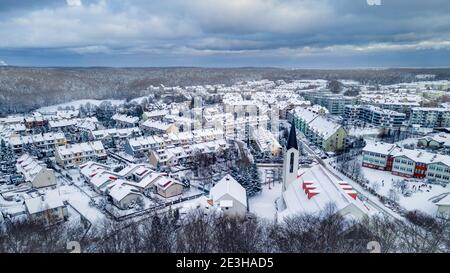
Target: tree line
pixel 201 232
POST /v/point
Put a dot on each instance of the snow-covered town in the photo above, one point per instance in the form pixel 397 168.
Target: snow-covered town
pixel 261 149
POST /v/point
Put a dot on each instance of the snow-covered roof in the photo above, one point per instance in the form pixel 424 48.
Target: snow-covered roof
pixel 89 168
pixel 146 181
pixel 125 118
pixel 380 148
pixel 45 202
pixel 29 167
pixel 122 190
pixel 315 189
pixel 442 138
pixel 165 182
pixel 115 132
pixel 33 139
pixel 316 122
pixel 414 155
pixel 85 147
pixel 62 123
pixel 158 125
pixel 324 127
pixel 228 185
pixel 444 201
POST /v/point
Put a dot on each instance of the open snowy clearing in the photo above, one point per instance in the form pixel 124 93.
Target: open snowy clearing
pixel 420 197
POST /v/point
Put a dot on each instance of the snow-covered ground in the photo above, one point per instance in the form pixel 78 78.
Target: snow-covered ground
pixel 263 204
pixel 407 141
pixel 76 104
pixel 419 199
pixel 80 202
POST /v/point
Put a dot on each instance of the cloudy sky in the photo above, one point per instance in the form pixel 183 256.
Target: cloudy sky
pixel 216 33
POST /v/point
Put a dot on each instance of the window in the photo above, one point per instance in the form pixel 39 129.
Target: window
pixel 291 163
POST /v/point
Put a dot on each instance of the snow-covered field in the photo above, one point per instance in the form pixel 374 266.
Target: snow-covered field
pixel 420 197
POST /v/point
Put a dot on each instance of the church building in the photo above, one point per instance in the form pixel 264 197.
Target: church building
pixel 311 190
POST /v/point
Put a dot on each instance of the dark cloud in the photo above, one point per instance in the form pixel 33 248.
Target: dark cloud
pixel 222 32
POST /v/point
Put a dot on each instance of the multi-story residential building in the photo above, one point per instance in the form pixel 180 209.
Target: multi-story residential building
pixel 378 156
pixel 402 103
pixel 406 162
pixel 46 141
pixel 335 103
pixel 12 120
pixel 145 144
pixel 353 112
pixel 430 117
pixel 62 125
pixel 266 141
pixel 238 107
pixel 439 171
pixel 374 115
pixel 236 127
pixel 321 131
pixel 75 154
pixel 184 154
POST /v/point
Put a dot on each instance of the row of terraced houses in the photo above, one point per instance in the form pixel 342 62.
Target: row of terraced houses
pixel 406 162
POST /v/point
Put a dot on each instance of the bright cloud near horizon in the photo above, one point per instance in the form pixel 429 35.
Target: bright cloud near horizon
pixel 74 3
pixel 286 33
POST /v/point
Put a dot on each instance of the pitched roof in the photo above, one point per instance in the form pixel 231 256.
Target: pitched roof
pixel 292 139
pixel 43 203
pixel 315 189
pixel 228 185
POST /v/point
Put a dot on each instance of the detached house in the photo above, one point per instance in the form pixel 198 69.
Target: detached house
pixel 35 172
pixel 48 209
pixel 230 196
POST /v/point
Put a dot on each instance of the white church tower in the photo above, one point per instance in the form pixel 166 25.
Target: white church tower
pixel 290 162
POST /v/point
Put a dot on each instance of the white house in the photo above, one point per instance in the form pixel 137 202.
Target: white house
pixel 230 196
pixel 124 195
pixel 48 209
pixel 35 172
pixel 168 187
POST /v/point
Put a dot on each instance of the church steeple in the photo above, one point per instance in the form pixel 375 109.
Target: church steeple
pixel 290 162
pixel 292 139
